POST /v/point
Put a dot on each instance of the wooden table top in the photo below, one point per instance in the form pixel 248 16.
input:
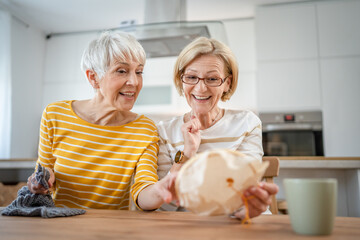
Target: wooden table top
pixel 118 224
pixel 317 158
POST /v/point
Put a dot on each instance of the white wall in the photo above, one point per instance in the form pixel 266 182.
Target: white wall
pixel 63 78
pixel 27 68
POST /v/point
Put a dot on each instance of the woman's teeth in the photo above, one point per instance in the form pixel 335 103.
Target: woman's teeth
pixel 201 98
pixel 128 94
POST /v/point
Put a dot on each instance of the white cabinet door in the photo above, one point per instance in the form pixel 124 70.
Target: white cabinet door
pixel 158 95
pixel 339 29
pixel 289 86
pixel 286 32
pixel 288 69
pixel 241 38
pixel 341 100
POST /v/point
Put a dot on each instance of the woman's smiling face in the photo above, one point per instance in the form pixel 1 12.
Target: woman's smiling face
pixel 121 84
pixel 201 98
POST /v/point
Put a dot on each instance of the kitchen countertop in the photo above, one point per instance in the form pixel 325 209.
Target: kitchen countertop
pixel 320 162
pixel 18 163
pixel 319 158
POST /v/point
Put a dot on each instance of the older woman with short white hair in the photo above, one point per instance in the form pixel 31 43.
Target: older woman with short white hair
pixel 93 148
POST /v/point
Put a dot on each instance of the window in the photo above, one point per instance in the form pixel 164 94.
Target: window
pixel 5 84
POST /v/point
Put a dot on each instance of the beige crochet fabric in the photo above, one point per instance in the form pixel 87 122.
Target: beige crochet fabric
pixel 212 182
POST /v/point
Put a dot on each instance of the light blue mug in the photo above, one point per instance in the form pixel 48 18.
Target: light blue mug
pixel 311 204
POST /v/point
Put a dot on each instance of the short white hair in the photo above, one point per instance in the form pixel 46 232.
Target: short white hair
pixel 110 46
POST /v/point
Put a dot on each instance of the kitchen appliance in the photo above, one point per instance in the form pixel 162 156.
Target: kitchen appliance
pixel 166 32
pixel 292 134
pixel 166 39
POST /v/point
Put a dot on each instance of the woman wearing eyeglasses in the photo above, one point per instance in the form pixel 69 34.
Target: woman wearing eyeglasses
pixel 206 72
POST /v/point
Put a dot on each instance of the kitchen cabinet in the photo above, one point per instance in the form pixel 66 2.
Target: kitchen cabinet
pixel 339 32
pixel 288 70
pixel 158 95
pixel 339 37
pixel 346 170
pixel 340 98
pixel 245 94
pixel 288 86
pixel 240 34
pixel 319 71
pixel 241 40
pixel 286 32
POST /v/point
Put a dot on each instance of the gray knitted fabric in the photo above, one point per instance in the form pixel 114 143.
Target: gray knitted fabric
pixel 31 205
pixel 42 176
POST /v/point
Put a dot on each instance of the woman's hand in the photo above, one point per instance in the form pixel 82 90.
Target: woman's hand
pixel 163 191
pixel 166 188
pixel 192 138
pixel 37 188
pixel 260 201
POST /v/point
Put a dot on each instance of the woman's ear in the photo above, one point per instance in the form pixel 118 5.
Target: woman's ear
pixel 227 83
pixel 92 78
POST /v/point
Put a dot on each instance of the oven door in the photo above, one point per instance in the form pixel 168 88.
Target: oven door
pixel 292 143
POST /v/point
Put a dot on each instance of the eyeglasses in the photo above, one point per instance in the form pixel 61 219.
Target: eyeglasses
pixel 209 81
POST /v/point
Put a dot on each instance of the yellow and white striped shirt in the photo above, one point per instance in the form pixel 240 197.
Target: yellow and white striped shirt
pixel 94 164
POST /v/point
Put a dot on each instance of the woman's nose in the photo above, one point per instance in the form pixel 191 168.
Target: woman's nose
pixel 132 79
pixel 201 85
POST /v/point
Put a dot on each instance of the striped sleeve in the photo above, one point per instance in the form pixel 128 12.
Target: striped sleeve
pixel 45 155
pixel 164 159
pixel 146 171
pixel 252 143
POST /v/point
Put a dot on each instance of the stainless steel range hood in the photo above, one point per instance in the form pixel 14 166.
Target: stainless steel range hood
pixel 169 38
pixel 166 31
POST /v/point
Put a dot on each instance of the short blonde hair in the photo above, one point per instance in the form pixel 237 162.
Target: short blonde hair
pixel 110 46
pixel 207 46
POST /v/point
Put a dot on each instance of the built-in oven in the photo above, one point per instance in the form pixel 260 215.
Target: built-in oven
pixel 292 134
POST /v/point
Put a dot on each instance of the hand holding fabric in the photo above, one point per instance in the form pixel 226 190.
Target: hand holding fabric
pixel 32 204
pixel 35 185
pixel 259 198
pixel 163 191
pixel 166 188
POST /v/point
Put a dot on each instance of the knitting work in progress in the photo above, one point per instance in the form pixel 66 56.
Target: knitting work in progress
pixel 32 205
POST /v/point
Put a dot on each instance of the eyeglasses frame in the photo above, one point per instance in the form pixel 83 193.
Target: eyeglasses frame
pixel 199 78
